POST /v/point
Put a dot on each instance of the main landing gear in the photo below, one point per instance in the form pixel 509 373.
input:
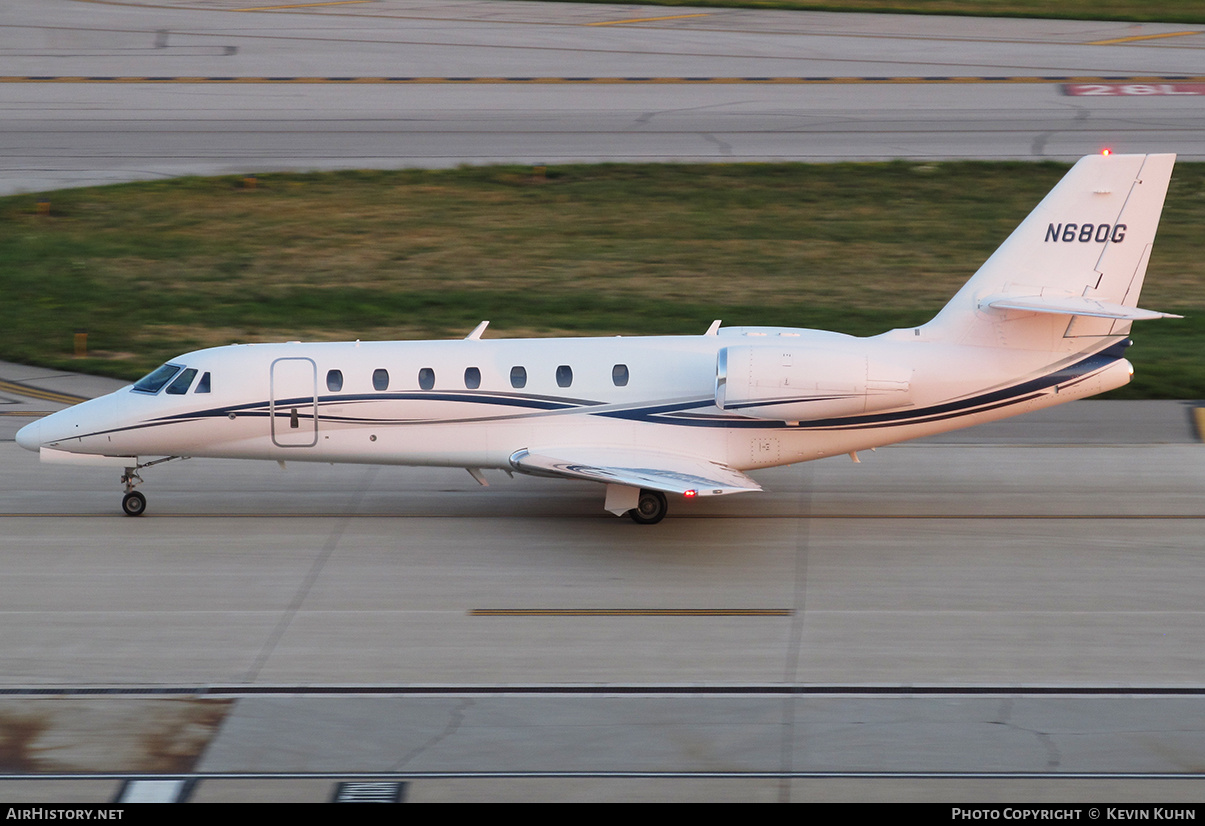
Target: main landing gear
pixel 134 502
pixel 650 508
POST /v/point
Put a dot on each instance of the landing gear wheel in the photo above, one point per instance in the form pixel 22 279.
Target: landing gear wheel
pixel 650 508
pixel 133 503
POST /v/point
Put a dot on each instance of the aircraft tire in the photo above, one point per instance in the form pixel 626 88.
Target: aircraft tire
pixel 650 508
pixel 133 503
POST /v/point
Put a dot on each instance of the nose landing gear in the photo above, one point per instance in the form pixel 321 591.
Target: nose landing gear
pixel 134 502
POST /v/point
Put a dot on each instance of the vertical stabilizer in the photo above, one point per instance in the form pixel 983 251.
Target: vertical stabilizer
pixel 1069 276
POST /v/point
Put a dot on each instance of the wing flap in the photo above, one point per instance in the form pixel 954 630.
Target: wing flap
pixel 666 472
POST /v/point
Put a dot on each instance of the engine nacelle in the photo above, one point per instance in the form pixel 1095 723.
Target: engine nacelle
pixel 803 383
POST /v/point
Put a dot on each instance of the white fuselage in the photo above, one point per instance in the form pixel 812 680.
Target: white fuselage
pixel 474 403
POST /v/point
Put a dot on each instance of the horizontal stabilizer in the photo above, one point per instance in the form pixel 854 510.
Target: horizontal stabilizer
pixel 666 472
pixel 1070 305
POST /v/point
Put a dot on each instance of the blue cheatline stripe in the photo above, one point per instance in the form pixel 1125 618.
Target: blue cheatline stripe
pixel 676 413
pixel 502 399
pixel 979 403
pixel 261 409
pixel 797 400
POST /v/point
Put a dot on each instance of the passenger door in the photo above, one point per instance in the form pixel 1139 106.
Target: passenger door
pixel 293 405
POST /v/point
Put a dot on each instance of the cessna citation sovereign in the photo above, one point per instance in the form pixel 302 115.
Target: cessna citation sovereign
pixel 1044 321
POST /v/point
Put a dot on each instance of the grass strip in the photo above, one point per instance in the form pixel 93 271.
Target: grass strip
pixel 151 270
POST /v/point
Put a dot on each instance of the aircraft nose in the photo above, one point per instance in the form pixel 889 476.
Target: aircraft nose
pixel 30 436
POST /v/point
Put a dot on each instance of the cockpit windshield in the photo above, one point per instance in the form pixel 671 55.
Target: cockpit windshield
pixel 153 382
pixel 182 382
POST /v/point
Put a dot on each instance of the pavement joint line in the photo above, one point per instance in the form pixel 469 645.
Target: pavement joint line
pixel 751 774
pixel 240 690
pixel 631 612
pixel 650 80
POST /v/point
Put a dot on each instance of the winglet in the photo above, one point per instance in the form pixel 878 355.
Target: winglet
pixel 477 331
pixel 714 329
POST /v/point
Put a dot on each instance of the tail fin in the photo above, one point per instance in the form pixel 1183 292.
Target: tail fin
pixel 1069 276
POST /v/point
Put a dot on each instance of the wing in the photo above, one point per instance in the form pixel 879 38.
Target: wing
pixel 666 472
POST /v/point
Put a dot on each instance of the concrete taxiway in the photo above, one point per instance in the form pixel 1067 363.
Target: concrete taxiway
pixel 1008 613
pixel 1021 598
pixel 96 92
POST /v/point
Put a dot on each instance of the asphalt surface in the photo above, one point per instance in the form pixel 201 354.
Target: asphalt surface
pixel 1010 613
pixel 1024 600
pixel 97 93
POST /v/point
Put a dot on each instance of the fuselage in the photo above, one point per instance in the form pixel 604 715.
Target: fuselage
pixel 474 403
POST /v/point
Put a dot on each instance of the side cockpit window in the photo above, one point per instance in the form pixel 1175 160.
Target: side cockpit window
pixel 153 382
pixel 182 382
pixel 203 384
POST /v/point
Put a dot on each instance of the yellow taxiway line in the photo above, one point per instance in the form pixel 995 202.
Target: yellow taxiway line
pixel 649 19
pixel 1138 37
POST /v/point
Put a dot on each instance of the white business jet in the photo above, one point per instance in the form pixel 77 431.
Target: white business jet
pixel 1044 321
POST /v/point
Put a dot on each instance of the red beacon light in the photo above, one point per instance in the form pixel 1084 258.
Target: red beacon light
pixel 1106 152
pixel 691 494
